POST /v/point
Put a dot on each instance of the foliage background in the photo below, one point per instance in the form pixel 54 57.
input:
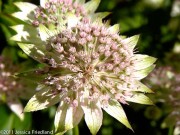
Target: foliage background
pixel 157 22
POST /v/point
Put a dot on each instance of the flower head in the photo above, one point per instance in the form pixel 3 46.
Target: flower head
pixel 89 67
pixel 167 82
pixel 12 89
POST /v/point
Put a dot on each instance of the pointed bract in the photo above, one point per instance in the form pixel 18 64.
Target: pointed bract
pixel 43 2
pixel 115 110
pixel 143 61
pixel 26 33
pixel 100 15
pixel 131 42
pixel 142 88
pixel 91 6
pixel 140 74
pixel 67 117
pixel 93 117
pixel 16 107
pixel 139 98
pixel 114 28
pixel 43 99
pixel 25 6
pixel 80 1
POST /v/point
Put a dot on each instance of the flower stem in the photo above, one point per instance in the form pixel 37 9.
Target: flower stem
pixel 76 130
pixel 170 132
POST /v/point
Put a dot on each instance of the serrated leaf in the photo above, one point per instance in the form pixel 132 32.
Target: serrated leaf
pixel 93 117
pixel 43 99
pixel 114 28
pixel 115 109
pixel 67 117
pixel 140 74
pixel 143 61
pixel 91 6
pixel 139 98
pixel 131 42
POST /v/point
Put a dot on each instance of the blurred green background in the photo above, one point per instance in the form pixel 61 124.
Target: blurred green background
pixel 157 22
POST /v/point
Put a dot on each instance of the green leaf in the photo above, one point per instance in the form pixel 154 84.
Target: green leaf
pixel 115 109
pixel 114 28
pixel 131 42
pixel 143 61
pixel 139 98
pixel 93 117
pixel 43 99
pixel 91 6
pixel 67 117
pixel 140 74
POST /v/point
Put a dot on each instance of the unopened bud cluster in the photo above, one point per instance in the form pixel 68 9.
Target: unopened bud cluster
pixel 167 83
pixel 8 84
pixel 56 12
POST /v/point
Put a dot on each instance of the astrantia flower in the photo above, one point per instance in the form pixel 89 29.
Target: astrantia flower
pixel 12 89
pixel 89 67
pixel 167 82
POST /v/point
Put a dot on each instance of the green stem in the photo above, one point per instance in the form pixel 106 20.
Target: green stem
pixel 76 130
pixel 171 129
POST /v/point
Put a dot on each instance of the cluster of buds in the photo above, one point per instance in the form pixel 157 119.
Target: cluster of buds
pixel 89 67
pixel 167 83
pixel 12 89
